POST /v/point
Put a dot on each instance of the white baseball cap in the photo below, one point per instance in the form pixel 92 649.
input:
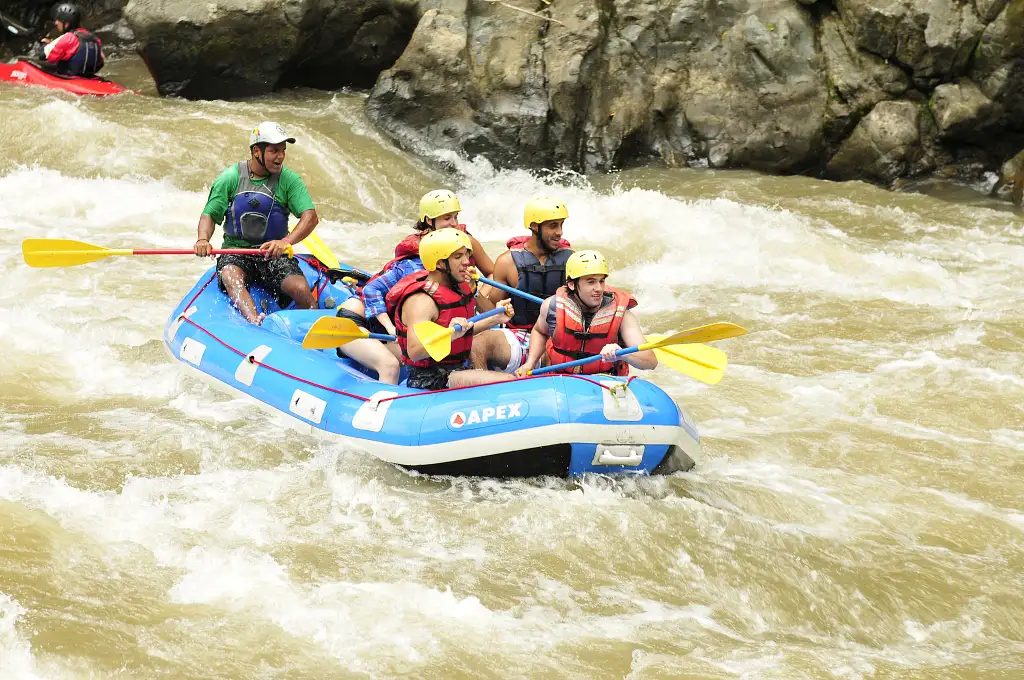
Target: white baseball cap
pixel 269 132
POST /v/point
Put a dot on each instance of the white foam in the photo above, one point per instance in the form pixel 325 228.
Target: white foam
pixel 16 660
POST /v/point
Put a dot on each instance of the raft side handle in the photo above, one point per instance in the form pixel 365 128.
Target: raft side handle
pixel 619 402
pixel 192 351
pixel 371 413
pixel 305 405
pixel 619 454
pixel 246 371
pixel 176 324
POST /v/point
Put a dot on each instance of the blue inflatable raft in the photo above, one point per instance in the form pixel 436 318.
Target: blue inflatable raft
pixel 547 425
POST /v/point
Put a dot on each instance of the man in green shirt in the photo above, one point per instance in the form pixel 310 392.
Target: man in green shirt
pixel 256 196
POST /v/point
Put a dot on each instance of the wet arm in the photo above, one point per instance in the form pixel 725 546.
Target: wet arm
pixel 307 223
pixel 481 259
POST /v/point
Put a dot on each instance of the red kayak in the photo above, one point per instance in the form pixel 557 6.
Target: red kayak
pixel 26 73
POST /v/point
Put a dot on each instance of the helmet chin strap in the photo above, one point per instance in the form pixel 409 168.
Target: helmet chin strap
pixel 451 277
pixel 259 158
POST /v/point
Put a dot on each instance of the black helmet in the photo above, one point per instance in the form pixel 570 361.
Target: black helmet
pixel 68 13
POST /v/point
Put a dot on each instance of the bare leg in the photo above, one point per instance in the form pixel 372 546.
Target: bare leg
pixel 297 289
pixel 354 305
pixel 234 283
pixel 474 377
pixel 490 346
pixel 373 354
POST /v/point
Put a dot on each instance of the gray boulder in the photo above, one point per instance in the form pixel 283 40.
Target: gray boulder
pixel 998 66
pixel 599 85
pixel 933 39
pixel 962 111
pixel 857 80
pixel 885 145
pixel 236 48
pixel 1012 178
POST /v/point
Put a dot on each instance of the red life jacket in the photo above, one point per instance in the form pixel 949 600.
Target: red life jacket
pixel 570 340
pixel 451 305
pixel 517 242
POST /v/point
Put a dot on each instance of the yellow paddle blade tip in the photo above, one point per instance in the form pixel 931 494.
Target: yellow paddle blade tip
pixel 436 339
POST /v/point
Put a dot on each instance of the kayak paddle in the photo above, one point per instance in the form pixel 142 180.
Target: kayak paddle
pixel 333 331
pixel 714 331
pixel 60 252
pixel 437 339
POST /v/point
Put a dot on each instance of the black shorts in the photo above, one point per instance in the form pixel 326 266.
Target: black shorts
pixel 268 273
pixel 371 325
pixel 432 378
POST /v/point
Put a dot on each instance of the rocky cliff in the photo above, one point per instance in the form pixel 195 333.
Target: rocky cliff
pixel 872 89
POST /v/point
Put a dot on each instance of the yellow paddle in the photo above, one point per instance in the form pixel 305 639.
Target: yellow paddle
pixel 62 252
pixel 332 331
pixel 701 362
pixel 437 339
pixel 719 330
pixel 318 249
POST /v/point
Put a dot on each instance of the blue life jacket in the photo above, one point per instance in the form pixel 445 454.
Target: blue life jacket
pixel 254 214
pixel 86 61
pixel 541 280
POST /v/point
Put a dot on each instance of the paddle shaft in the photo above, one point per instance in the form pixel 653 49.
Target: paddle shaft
pixel 107 252
pixel 480 317
pixel 586 360
pixel 510 289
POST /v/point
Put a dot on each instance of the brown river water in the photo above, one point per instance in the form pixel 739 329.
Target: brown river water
pixel 858 512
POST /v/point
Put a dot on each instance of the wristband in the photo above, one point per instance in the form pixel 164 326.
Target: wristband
pixel 202 239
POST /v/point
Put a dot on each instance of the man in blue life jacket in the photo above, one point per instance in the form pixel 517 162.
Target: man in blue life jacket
pixel 535 265
pixel 77 52
pixel 253 198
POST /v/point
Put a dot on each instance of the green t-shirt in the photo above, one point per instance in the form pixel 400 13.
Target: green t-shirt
pixel 291 192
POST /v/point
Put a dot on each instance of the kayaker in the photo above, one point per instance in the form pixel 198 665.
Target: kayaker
pixel 535 265
pixel 587 317
pixel 442 293
pixel 77 52
pixel 255 196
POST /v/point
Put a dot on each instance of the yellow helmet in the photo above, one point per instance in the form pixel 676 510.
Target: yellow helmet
pixel 440 244
pixel 438 202
pixel 542 209
pixel 585 263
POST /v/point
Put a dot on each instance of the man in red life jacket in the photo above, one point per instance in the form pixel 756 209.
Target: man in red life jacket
pixel 535 265
pixel 442 293
pixel 586 317
pixel 77 52
pixel 439 209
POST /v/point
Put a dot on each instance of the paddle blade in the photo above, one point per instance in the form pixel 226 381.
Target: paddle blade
pixel 331 331
pixel 700 362
pixel 436 339
pixel 720 330
pixel 60 252
pixel 318 249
